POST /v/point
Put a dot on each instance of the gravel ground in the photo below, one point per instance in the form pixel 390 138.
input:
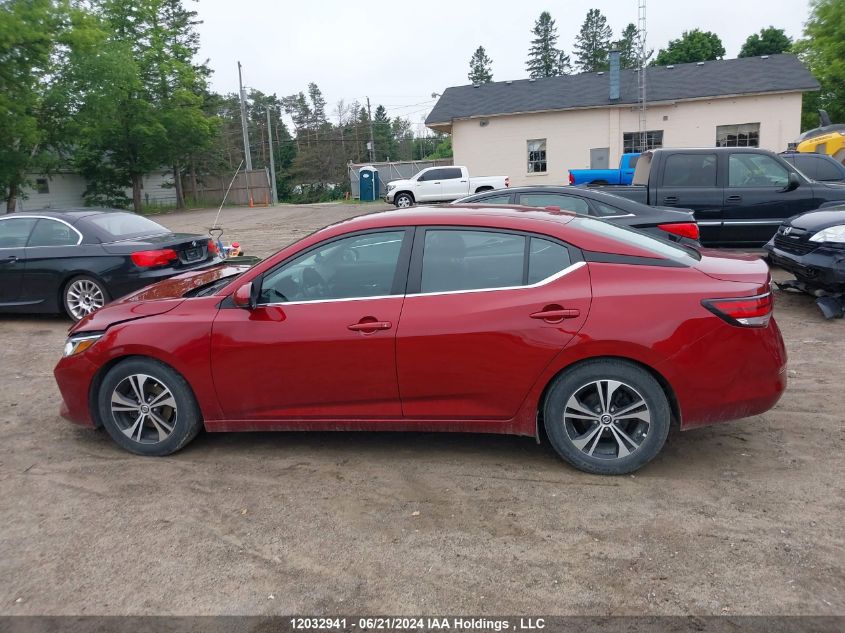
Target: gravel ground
pixel 740 518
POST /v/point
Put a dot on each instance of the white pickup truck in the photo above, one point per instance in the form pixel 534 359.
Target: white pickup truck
pixel 440 184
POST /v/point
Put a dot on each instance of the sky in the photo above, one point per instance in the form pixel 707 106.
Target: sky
pixel 399 52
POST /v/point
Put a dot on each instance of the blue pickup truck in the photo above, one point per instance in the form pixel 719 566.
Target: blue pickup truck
pixel 622 176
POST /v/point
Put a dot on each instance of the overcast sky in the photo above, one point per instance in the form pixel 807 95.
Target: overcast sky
pixel 398 52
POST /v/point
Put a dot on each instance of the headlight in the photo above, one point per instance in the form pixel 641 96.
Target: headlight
pixel 391 187
pixel 830 234
pixel 79 343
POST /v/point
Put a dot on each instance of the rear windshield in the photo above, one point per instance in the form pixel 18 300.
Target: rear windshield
pixel 121 226
pixel 679 253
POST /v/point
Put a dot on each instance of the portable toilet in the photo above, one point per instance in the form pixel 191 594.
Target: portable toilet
pixel 369 183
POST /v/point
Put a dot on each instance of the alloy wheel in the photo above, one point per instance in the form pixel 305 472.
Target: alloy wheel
pixel 144 409
pixel 606 419
pixel 403 202
pixel 84 297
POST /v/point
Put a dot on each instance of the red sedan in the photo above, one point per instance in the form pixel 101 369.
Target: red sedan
pixel 507 320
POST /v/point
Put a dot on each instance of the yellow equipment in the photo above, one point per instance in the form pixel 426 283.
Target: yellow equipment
pixel 826 139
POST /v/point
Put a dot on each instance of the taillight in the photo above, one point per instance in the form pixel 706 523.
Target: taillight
pixel 684 229
pixel 212 247
pixel 507 182
pixel 571 179
pixel 147 259
pixel 744 311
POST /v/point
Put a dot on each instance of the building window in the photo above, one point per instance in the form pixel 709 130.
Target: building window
pixel 41 185
pixel 641 141
pixel 743 135
pixel 537 156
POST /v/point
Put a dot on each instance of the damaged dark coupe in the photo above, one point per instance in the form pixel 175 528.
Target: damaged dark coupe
pixel 811 246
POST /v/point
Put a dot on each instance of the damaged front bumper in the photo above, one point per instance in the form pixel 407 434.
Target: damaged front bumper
pixel 820 273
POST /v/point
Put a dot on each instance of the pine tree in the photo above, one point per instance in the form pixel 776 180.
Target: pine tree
pixel 628 47
pixel 480 71
pixel 593 43
pixel 544 59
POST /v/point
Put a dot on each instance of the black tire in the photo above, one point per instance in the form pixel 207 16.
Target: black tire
pixel 118 391
pixel 406 198
pixel 607 445
pixel 82 295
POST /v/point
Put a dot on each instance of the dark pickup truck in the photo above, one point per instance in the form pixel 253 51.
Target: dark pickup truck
pixel 740 195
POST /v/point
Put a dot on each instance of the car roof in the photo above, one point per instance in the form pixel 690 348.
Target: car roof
pixel 70 215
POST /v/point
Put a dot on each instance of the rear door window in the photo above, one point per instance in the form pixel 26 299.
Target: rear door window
pixel 546 258
pixel 53 233
pixel 690 170
pixel 503 198
pixel 462 259
pixel 450 173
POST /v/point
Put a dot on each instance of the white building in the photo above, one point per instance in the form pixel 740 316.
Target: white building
pixel 65 189
pixel 536 130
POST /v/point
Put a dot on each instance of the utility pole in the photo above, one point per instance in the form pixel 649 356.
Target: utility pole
pixel 273 194
pixel 247 155
pixel 372 140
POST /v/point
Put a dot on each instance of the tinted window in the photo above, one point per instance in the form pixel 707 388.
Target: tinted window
pixel 503 198
pixel 357 266
pixel 450 173
pixel 471 260
pixel 756 170
pixel 605 210
pixel 15 232
pixel 546 258
pixel 826 170
pixel 690 170
pixel 658 248
pixel 126 225
pixel 52 233
pixel 807 167
pixel 568 203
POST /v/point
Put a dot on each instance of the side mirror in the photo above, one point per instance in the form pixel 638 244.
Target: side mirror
pixel 794 182
pixel 244 297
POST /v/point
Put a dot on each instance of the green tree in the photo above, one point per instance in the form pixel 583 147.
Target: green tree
pixel 593 43
pixel 141 96
pixel 692 46
pixel 770 41
pixel 32 107
pixel 628 47
pixel 544 58
pixel 823 50
pixel 480 71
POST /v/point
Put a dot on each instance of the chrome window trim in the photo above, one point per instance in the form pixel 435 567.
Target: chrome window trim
pixel 542 282
pixel 43 217
pixel 536 284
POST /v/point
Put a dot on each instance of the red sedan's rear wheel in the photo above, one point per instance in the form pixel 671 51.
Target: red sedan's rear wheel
pixel 148 408
pixel 607 417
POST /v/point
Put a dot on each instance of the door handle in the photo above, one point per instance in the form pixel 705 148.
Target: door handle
pixel 670 200
pixel 369 326
pixel 734 198
pixel 463 181
pixel 437 183
pixel 11 259
pixel 555 314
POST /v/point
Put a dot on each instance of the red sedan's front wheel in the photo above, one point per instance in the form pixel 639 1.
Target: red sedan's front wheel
pixel 607 417
pixel 148 408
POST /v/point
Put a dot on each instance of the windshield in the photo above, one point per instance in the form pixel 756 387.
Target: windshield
pixel 121 226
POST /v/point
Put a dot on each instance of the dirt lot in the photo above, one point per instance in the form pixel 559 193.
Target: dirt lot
pixel 742 518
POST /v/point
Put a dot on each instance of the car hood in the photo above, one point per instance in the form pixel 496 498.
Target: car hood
pixel 156 299
pixel 817 220
pixel 399 182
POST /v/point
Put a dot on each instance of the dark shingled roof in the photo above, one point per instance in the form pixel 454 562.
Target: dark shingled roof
pixel 748 75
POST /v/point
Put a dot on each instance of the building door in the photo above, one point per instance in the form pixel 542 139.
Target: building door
pixel 600 158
